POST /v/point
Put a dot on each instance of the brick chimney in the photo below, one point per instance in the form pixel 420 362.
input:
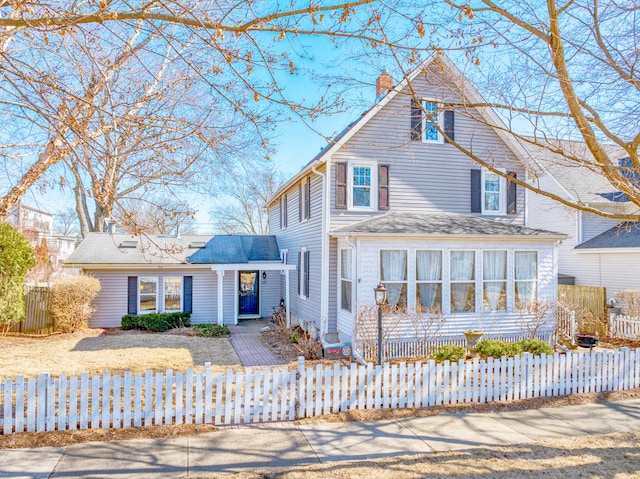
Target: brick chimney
pixel 384 83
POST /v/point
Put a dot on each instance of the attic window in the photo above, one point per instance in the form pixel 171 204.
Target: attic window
pixel 197 244
pixel 128 244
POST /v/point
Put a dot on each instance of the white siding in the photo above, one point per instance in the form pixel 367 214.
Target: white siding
pixel 111 303
pixel 368 276
pixel 593 225
pixel 617 271
pixel 270 293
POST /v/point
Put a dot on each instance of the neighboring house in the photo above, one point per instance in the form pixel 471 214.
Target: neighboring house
pixel 599 251
pixel 391 201
pixel 219 279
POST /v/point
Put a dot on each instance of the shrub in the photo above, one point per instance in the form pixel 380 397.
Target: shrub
pixel 71 300
pixel 629 302
pixel 449 352
pixel 16 257
pixel 535 347
pixel 157 322
pixel 212 330
pixel 495 348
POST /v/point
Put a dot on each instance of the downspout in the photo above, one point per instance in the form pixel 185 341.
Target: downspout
pixel 324 246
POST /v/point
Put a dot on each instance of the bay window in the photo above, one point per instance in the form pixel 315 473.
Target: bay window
pixel 393 274
pixel 526 277
pixel 462 278
pixel 429 280
pixel 494 275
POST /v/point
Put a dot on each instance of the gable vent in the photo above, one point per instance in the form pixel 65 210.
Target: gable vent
pixel 197 244
pixel 128 244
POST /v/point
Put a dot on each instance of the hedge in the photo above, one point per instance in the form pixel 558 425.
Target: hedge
pixel 157 322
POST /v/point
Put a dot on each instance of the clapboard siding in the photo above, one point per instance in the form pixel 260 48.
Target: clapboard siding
pixel 229 297
pixel 270 293
pixel 491 322
pixel 111 303
pixel 616 271
pixel 425 177
pixel 299 234
pixel 593 225
pixel 333 281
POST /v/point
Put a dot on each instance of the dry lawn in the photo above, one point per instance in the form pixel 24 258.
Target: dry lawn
pixel 96 350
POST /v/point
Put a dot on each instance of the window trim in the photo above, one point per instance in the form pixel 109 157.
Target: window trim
pixel 303 274
pixel 164 294
pixel 373 187
pixel 157 281
pixel 341 279
pixel 439 120
pixel 502 194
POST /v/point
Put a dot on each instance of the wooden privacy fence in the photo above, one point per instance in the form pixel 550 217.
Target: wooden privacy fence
pixel 625 327
pixel 46 403
pixel 37 320
pixel 589 298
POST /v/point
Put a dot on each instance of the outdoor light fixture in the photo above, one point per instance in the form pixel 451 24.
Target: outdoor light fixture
pixel 264 275
pixel 380 294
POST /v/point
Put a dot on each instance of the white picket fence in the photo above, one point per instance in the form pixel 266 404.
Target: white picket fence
pixel 47 403
pixel 625 327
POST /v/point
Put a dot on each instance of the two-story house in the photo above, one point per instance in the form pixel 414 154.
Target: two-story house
pixel 391 200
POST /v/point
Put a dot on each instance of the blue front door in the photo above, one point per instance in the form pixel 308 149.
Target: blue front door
pixel 248 293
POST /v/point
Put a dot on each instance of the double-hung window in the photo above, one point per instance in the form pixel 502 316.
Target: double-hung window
pixel 346 279
pixel 172 293
pixel 393 274
pixel 493 193
pixel 429 280
pixel 431 117
pixel 363 186
pixel 462 268
pixel 284 216
pixel 303 276
pixel 494 280
pixel 148 294
pixel 305 199
pixel 526 277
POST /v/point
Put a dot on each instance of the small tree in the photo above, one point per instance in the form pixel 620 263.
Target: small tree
pixel 16 258
pixel 71 300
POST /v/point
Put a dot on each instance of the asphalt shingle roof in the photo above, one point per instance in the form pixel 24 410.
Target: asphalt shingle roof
pixel 440 224
pixel 106 248
pixel 623 235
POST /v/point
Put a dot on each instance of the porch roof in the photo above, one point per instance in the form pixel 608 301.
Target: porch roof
pixel 449 224
pixel 623 235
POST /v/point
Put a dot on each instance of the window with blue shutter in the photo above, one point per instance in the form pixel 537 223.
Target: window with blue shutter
pixel 132 295
pixel 187 299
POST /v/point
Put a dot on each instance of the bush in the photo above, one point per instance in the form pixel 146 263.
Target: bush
pixel 71 300
pixel 157 322
pixel 535 347
pixel 212 330
pixel 495 348
pixel 16 257
pixel 449 352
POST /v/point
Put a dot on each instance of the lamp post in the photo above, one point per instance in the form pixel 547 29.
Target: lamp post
pixel 380 293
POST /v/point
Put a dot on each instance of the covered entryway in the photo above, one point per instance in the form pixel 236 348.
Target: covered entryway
pixel 248 294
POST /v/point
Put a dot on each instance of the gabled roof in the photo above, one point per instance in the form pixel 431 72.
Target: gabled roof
pixel 123 249
pixel 449 224
pixel 580 182
pixel 623 235
pixel 469 91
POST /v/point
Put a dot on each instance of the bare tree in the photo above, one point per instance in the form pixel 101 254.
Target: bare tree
pixel 166 217
pixel 66 222
pixel 243 191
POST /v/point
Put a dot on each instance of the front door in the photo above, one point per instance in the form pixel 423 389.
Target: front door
pixel 248 293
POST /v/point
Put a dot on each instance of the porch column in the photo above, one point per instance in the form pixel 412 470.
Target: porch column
pixel 220 296
pixel 286 297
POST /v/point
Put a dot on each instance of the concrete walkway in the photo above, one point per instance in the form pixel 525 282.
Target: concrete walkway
pixel 260 447
pixel 245 338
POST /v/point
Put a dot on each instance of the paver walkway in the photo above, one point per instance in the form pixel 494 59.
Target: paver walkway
pixel 261 447
pixel 245 338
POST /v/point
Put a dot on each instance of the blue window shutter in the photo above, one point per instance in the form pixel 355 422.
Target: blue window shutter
pixel 383 187
pixel 132 297
pixel 307 195
pixel 187 300
pixel 476 191
pixel 299 270
pixel 306 274
pixel 416 121
pixel 449 125
pixel 512 194
pixel 300 193
pixel 341 185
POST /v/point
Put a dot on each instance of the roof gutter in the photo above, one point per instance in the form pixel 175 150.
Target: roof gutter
pixel 344 234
